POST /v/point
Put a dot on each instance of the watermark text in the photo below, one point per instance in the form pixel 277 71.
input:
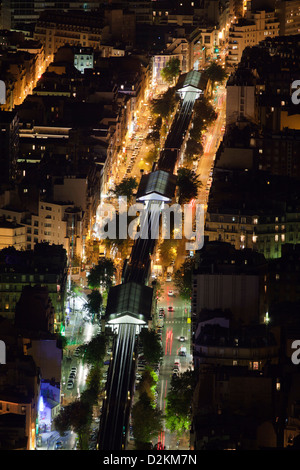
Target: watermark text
pixel 2 352
pixel 152 220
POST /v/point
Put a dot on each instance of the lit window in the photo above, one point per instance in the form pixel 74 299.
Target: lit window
pixel 276 238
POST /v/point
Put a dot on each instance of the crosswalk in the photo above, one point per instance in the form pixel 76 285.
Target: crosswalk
pixel 173 322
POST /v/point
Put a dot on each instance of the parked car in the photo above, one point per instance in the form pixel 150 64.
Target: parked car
pixel 77 352
pixel 59 445
pixel 70 385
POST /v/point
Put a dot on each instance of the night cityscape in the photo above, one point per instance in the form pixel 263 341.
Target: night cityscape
pixel 150 227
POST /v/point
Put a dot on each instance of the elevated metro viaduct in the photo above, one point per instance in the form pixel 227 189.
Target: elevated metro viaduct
pixel 129 305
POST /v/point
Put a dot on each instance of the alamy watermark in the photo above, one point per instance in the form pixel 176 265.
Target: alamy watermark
pixel 296 354
pixel 153 220
pixel 2 92
pixel 295 97
pixel 2 352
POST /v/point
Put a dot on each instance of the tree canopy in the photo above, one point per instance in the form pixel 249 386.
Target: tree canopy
pixel 102 274
pixel 147 421
pixel 121 244
pixel 203 115
pixel 75 416
pixel 93 304
pixel 216 73
pixel 94 350
pixel 125 188
pixel 171 70
pixel 167 251
pixel 188 184
pixel 179 401
pixel 183 278
pixel 193 149
pixel 164 106
pixel 151 346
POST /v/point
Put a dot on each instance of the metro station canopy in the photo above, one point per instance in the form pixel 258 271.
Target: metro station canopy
pixel 129 303
pixel 192 82
pixel 158 185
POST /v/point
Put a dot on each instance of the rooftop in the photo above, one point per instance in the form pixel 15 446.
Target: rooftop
pixel 129 300
pixel 159 182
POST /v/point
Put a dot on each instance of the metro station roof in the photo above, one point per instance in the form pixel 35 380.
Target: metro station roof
pixel 129 303
pixel 193 81
pixel 192 78
pixel 157 185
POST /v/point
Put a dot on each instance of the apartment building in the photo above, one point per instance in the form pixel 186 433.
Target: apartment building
pixel 46 265
pixel 159 61
pixel 288 12
pixel 83 58
pixel 9 145
pixel 241 97
pixel 192 51
pixel 12 234
pixel 37 49
pixel 249 31
pixel 5 15
pixel 55 29
pixel 248 347
pixel 232 280
pixel 20 71
pixel 264 233
pixel 141 8
pixel 245 210
pixel 26 13
pixel 19 394
pixel 60 223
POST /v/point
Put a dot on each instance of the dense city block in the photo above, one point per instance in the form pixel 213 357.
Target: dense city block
pixel 149 227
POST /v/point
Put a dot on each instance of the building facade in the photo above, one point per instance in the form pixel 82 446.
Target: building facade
pixel 55 30
pixel 249 31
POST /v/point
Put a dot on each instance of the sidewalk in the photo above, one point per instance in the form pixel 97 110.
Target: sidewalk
pixel 48 440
